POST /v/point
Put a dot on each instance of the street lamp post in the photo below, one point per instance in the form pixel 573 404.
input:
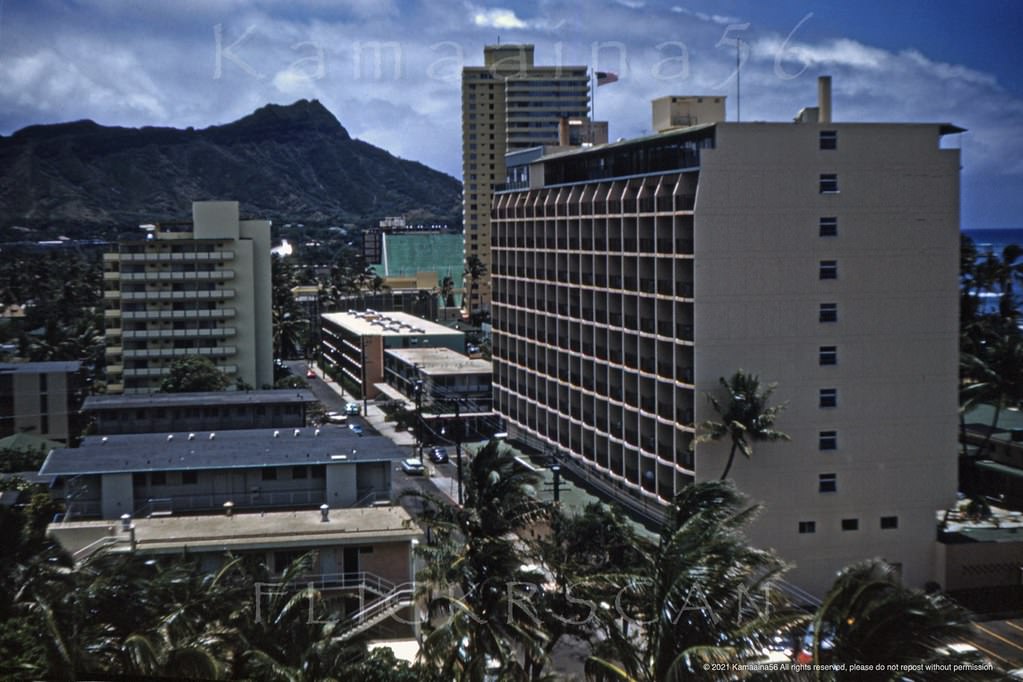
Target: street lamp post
pixel 365 391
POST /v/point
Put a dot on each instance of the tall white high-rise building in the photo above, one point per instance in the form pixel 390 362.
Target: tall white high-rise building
pixel 628 278
pixel 199 288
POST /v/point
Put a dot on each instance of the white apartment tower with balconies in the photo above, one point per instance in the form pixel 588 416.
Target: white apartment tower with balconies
pixel 821 255
pixel 199 288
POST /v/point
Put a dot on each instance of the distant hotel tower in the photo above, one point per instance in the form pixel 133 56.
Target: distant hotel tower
pixel 823 256
pixel 200 288
pixel 507 104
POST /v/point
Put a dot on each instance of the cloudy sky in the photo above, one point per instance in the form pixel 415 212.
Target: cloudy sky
pixel 389 69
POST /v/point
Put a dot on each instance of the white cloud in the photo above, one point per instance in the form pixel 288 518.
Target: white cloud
pixel 632 4
pixel 719 19
pixel 497 18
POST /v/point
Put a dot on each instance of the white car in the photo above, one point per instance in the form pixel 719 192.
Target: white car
pixel 413 467
pixel 336 417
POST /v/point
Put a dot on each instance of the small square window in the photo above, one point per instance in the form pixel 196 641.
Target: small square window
pixel 827 483
pixel 829 139
pixel 828 397
pixel 829 269
pixel 850 524
pixel 828 355
pixel 158 478
pixel 298 472
pixel 828 312
pixel 269 474
pixel 889 522
pixel 189 477
pixel 829 226
pixel 829 183
pixel 827 440
pixel 807 527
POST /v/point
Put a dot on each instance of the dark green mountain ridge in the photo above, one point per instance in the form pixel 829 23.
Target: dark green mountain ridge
pixel 284 162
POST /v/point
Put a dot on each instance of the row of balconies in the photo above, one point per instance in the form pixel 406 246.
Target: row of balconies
pixel 680 246
pixel 142 315
pixel 221 332
pixel 661 445
pixel 548 205
pixel 152 372
pixel 607 283
pixel 166 257
pixel 208 351
pixel 170 276
pixel 213 295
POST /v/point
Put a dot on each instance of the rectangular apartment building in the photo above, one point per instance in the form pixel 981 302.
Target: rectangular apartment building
pixel 199 288
pixel 823 256
pixel 507 104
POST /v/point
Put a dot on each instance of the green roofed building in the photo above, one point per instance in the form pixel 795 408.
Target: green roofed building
pixel 421 260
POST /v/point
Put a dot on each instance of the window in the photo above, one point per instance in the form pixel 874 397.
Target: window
pixel 828 397
pixel 829 269
pixel 318 471
pixel 829 139
pixel 827 440
pixel 828 355
pixel 829 226
pixel 189 477
pixel 829 183
pixel 889 522
pixel 828 312
pixel 269 474
pixel 850 524
pixel 158 478
pixel 298 472
pixel 807 527
pixel 827 483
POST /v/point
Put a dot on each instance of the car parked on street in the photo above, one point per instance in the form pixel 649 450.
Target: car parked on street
pixel 439 455
pixel 356 429
pixel 352 409
pixel 413 467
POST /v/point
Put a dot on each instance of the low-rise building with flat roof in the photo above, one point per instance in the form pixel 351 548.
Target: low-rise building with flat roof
pixel 354 343
pixel 445 375
pixel 202 411
pixel 192 472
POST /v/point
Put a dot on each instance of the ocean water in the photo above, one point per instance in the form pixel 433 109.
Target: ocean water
pixel 995 240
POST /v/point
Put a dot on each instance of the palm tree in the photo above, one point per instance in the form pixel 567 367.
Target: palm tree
pixel 868 617
pixel 700 596
pixel 994 376
pixel 447 291
pixel 473 556
pixel 745 417
pixel 475 270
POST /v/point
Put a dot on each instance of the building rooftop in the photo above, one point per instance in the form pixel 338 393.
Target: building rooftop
pixel 39 367
pixel 412 253
pixel 247 448
pixel 441 361
pixel 277 530
pixel 138 400
pixel 373 323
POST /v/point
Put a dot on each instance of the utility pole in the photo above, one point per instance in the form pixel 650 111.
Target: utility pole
pixel 419 416
pixel 458 447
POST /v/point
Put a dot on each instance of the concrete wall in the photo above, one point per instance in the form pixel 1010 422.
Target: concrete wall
pixel 757 291
pixel 118 497
pixel 258 233
pixel 341 488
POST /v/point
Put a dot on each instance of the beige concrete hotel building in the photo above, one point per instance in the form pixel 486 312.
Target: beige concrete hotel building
pixel 507 104
pixel 199 288
pixel 823 256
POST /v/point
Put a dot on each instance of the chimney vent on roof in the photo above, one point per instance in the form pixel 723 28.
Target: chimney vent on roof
pixel 324 513
pixel 170 436
pixel 824 99
pixel 191 436
pixel 277 434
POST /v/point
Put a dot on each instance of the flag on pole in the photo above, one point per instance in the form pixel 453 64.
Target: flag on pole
pixel 606 77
